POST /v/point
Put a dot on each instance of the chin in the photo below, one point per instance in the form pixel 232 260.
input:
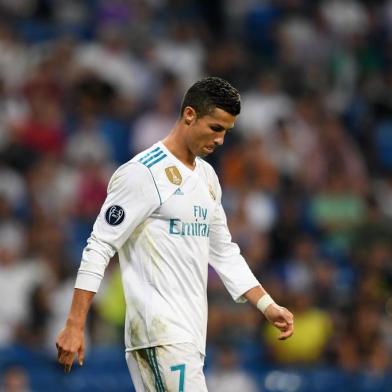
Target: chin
pixel 203 154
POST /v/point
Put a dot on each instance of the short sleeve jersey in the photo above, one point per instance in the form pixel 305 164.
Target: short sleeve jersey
pixel 167 224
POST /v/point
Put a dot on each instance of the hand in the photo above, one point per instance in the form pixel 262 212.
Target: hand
pixel 282 319
pixel 70 342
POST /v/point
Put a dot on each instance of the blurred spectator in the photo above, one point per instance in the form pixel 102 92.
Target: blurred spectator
pixel 181 53
pixel 228 59
pixel 304 42
pixel 11 109
pixel 383 190
pixel 245 166
pixel 13 60
pixel 18 280
pixel 87 145
pixel 111 306
pixel 52 188
pixel 155 123
pixel 15 379
pixel 91 191
pixel 345 17
pixel 263 106
pixel 12 187
pixel 337 211
pixel 379 361
pixel 42 129
pixel 348 357
pixel 226 376
pixel 383 144
pixel 299 271
pixel 280 149
pixel 110 59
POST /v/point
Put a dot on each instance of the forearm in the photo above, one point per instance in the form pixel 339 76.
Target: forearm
pixel 254 294
pixel 80 306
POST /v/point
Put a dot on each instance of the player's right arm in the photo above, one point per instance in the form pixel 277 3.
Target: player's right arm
pixel 132 197
pixel 70 341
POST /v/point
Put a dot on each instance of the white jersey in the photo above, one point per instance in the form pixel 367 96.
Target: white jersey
pixel 167 224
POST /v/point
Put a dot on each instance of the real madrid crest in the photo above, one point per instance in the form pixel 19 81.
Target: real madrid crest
pixel 174 175
pixel 212 193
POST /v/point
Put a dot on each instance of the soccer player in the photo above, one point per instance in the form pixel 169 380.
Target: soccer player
pixel 163 216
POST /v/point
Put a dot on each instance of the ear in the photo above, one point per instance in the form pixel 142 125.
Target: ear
pixel 189 115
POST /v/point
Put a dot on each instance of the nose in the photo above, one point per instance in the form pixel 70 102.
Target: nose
pixel 218 141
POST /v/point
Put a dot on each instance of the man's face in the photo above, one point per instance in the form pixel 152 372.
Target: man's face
pixel 207 132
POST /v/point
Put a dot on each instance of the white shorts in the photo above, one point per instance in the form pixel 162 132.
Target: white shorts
pixel 171 368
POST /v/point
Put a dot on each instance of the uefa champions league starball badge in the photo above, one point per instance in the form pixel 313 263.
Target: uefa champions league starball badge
pixel 114 215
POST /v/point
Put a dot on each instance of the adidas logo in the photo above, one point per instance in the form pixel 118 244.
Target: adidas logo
pixel 178 192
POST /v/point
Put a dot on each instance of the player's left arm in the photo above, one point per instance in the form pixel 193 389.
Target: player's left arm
pixel 226 259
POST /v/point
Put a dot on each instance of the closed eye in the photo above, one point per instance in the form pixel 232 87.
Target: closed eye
pixel 217 128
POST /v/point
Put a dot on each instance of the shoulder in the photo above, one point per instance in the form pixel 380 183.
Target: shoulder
pixel 131 171
pixel 139 169
pixel 154 159
pixel 143 161
pixel 151 157
pixel 133 180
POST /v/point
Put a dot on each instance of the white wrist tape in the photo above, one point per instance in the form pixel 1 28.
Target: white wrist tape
pixel 264 302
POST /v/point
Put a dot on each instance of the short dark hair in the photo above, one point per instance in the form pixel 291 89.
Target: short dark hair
pixel 210 93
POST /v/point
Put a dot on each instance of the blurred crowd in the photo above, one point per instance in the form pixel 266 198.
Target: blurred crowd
pixel 306 173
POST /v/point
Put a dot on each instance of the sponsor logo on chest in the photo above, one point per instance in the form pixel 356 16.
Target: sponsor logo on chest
pixel 199 227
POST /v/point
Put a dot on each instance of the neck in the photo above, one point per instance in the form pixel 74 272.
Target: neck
pixel 175 142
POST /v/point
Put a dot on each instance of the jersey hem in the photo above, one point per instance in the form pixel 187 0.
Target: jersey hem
pixel 164 343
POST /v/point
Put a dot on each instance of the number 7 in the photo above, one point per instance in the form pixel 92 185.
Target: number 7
pixel 181 368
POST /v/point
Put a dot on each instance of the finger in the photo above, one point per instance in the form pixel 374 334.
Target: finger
pixel 61 355
pixel 286 334
pixel 67 357
pixel 280 324
pixel 81 356
pixel 288 317
pixel 67 368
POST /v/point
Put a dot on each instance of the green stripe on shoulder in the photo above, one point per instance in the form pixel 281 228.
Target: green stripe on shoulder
pixel 145 156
